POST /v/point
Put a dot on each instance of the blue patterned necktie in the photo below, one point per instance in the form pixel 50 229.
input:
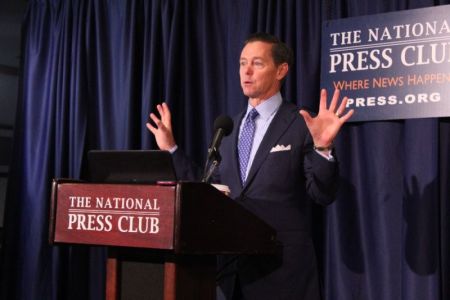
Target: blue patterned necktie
pixel 246 141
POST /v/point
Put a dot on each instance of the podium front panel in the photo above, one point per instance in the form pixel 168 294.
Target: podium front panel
pixel 128 215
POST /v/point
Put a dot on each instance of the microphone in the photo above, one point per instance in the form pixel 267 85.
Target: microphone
pixel 223 125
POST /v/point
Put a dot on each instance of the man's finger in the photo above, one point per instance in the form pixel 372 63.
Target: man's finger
pixel 334 100
pixel 347 116
pixel 165 108
pixel 151 128
pixel 305 116
pixel 323 99
pixel 155 119
pixel 165 113
pixel 342 107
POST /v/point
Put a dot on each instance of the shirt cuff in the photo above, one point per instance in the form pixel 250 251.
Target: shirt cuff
pixel 173 149
pixel 326 154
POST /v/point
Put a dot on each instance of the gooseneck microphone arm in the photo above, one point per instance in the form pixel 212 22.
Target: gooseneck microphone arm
pixel 211 165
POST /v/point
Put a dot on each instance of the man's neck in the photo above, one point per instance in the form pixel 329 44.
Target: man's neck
pixel 254 102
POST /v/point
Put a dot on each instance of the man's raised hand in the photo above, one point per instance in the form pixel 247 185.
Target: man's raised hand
pixel 162 128
pixel 326 125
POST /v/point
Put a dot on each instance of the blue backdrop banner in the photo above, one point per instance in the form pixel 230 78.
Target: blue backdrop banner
pixel 392 65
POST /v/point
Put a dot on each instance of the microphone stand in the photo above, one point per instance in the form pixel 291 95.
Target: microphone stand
pixel 211 164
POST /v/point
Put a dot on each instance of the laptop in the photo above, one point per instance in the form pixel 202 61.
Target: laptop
pixel 130 166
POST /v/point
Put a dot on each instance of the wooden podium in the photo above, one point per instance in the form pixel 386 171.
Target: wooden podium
pixel 189 222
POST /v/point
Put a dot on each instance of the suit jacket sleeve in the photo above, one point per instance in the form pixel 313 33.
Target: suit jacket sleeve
pixel 321 175
pixel 186 169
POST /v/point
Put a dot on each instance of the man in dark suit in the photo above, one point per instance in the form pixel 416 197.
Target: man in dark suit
pixel 275 163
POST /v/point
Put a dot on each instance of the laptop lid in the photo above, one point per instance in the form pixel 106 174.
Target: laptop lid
pixel 130 166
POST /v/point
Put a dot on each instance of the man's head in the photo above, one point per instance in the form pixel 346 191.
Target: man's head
pixel 264 63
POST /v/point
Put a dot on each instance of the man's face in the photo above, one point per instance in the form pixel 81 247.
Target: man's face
pixel 260 78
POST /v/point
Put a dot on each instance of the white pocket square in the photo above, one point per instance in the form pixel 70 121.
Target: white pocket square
pixel 279 148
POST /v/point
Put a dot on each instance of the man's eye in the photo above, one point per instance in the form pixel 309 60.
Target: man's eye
pixel 258 64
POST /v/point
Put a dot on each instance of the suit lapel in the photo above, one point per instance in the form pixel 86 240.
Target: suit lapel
pixel 278 126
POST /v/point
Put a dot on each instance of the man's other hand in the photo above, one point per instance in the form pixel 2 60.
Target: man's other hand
pixel 162 128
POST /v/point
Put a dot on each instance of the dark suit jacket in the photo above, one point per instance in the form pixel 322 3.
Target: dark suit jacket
pixel 279 189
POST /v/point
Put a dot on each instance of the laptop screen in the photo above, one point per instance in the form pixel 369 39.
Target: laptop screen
pixel 130 166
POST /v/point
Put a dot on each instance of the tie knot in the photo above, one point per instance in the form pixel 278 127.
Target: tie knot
pixel 253 114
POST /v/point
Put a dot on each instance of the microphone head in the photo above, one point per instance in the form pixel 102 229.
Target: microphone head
pixel 225 123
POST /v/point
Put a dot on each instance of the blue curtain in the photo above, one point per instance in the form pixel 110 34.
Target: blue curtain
pixel 93 70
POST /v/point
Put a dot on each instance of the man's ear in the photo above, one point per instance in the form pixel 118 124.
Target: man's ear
pixel 282 71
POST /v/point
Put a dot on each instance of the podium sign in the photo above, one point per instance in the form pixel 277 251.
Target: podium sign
pixel 117 215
